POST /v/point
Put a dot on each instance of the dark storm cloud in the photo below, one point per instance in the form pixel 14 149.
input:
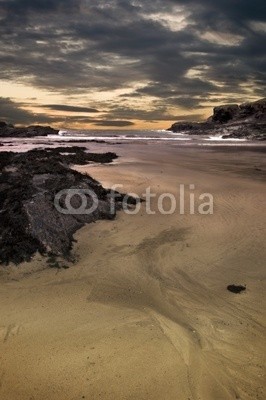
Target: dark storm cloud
pixel 225 12
pixel 83 46
pixel 14 113
pixel 114 123
pixel 187 88
pixel 11 112
pixel 25 6
pixel 159 113
pixel 98 122
pixel 59 107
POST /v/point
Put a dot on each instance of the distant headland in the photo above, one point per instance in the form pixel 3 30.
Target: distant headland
pixel 247 120
pixel 9 130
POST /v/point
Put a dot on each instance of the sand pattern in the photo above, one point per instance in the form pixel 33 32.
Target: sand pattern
pixel 145 314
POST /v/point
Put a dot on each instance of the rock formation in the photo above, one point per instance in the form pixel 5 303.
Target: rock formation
pixel 8 130
pixel 246 120
pixel 29 182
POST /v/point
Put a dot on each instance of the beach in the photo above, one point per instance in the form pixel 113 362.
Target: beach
pixel 144 313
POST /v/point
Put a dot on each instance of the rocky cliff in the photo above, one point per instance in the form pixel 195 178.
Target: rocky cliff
pixel 247 120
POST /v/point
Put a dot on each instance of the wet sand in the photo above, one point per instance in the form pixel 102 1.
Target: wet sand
pixel 145 314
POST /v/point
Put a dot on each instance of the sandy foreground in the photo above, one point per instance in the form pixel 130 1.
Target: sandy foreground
pixel 144 313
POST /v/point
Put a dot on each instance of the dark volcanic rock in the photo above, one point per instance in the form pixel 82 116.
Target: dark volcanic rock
pixel 245 130
pixel 4 125
pixel 223 114
pixel 29 183
pixel 247 120
pixel 8 130
pixel 191 127
pixel 255 111
pixel 236 288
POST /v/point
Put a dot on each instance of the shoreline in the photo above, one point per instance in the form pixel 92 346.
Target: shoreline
pixel 145 310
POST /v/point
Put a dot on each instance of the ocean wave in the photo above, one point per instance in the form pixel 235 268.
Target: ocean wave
pixel 120 137
pixel 220 138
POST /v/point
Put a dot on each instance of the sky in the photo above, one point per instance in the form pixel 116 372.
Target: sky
pixel 128 64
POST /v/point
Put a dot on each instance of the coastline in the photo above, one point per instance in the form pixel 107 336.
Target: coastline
pixel 145 310
pixel 132 200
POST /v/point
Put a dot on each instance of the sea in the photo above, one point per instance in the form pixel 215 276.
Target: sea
pixel 123 136
pixel 142 135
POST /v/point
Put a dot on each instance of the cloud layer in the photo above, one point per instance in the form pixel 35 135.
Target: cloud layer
pixel 169 55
